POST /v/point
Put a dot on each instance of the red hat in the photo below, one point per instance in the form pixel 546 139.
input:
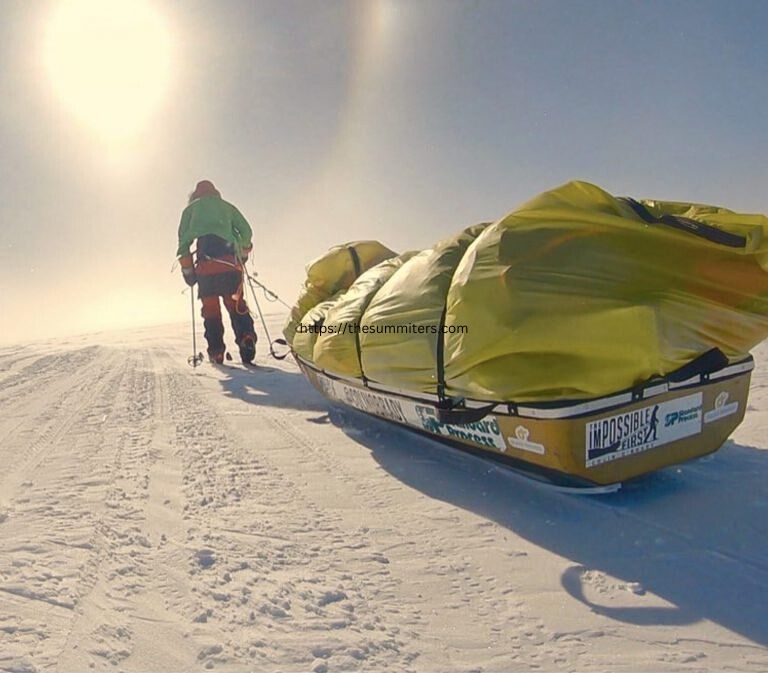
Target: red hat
pixel 204 188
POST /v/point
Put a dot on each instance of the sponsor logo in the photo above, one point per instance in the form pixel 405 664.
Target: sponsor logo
pixel 483 433
pixel 521 441
pixel 721 409
pixel 641 429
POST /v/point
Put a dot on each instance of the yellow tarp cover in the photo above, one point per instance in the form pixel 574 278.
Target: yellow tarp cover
pixel 574 295
pixel 334 271
pixel 338 350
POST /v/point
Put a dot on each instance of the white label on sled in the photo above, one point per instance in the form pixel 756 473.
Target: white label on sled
pixel 483 433
pixel 721 409
pixel 642 429
pixel 365 400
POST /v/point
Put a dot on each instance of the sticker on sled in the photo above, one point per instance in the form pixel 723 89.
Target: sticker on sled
pixel 641 429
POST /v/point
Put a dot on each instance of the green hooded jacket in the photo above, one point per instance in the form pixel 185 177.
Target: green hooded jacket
pixel 213 215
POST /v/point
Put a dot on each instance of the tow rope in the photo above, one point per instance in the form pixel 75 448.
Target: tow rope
pixel 272 342
pixel 269 295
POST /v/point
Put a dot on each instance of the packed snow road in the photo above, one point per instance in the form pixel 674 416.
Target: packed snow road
pixel 156 517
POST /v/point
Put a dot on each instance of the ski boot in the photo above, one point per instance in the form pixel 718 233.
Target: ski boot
pixel 247 348
pixel 214 335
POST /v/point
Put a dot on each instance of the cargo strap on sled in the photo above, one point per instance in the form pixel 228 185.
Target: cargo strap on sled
pixel 700 229
pixel 704 364
pixel 452 411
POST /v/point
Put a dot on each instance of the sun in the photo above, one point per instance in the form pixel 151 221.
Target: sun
pixel 108 61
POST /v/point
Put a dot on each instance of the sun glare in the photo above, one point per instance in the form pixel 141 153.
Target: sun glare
pixel 109 63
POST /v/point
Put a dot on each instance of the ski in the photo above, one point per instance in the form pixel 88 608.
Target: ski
pixel 229 363
pixel 552 485
pixel 548 479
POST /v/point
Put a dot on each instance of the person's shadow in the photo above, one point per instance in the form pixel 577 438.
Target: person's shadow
pixel 269 386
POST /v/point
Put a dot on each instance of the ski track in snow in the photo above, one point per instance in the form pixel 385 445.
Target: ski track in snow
pixel 156 517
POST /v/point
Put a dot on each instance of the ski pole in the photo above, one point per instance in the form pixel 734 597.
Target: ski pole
pixel 196 358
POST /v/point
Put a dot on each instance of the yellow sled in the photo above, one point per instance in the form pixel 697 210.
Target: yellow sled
pixel 602 441
pixel 588 335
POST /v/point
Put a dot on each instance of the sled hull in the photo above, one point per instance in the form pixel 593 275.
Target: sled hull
pixel 602 441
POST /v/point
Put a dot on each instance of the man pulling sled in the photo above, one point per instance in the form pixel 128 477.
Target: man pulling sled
pixel 223 238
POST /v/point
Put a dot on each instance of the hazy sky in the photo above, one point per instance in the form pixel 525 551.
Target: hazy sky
pixel 332 121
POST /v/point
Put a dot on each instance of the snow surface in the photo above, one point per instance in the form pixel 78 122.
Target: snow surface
pixel 159 518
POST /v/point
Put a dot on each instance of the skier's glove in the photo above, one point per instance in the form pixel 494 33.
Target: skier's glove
pixel 190 277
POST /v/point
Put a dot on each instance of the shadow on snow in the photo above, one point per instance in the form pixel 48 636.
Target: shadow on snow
pixel 271 387
pixel 694 535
